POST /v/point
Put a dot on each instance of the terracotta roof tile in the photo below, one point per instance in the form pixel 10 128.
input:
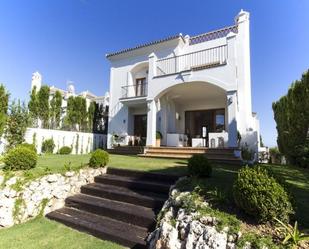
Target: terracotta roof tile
pixel 144 45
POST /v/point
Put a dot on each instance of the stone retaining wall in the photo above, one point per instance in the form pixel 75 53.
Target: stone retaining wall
pixel 41 195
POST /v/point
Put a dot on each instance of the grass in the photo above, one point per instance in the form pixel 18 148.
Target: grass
pixel 297 180
pixel 55 164
pixel 43 233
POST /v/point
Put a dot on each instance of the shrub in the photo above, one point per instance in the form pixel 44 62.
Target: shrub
pixel 65 150
pixel 28 146
pixel 99 158
pixel 260 195
pixel 158 135
pixel 246 153
pixel 275 155
pixel 48 146
pixel 198 165
pixel 20 158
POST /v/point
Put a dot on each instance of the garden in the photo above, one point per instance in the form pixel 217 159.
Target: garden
pixel 218 190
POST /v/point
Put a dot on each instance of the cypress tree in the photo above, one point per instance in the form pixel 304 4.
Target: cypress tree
pixel 91 110
pixel 55 109
pixel 43 105
pixel 4 102
pixel 291 113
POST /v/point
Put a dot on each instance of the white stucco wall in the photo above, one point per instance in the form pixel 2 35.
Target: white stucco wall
pixel 87 142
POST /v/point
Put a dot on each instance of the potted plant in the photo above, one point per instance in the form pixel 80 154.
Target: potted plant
pixel 158 138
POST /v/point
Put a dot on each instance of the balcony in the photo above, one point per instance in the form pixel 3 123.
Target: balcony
pixel 134 91
pixel 202 59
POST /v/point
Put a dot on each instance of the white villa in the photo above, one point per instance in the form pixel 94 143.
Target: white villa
pixel 194 90
pixel 70 91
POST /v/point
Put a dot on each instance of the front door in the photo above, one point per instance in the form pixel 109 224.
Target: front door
pixel 140 127
pixel 213 120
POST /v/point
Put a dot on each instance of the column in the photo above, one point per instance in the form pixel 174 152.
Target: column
pixel 151 123
pixel 231 117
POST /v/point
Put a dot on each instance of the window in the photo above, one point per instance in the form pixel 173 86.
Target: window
pixel 220 120
pixel 140 87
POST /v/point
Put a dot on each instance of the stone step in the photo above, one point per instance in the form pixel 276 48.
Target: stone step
pixel 125 212
pixel 207 149
pixel 126 150
pixel 142 175
pixel 137 197
pixel 134 183
pixel 230 153
pixel 102 227
pixel 234 160
pixel 189 154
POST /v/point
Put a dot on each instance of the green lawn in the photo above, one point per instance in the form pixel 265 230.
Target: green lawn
pixel 297 180
pixel 55 163
pixel 43 233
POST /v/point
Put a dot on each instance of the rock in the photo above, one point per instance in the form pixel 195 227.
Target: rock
pixel 69 174
pixel 191 231
pixel 1 179
pixel 168 238
pixel 51 178
pixel 11 181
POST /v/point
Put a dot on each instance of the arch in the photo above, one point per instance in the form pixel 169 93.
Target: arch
pixel 138 66
pixel 193 83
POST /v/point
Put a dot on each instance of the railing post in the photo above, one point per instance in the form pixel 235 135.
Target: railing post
pixel 152 60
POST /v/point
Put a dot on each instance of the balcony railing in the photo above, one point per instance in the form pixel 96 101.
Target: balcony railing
pixel 134 91
pixel 192 61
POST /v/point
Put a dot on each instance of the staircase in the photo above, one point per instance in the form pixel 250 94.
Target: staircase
pixel 220 155
pixel 120 206
pixel 127 150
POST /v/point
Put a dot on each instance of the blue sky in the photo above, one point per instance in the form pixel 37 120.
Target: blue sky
pixel 68 39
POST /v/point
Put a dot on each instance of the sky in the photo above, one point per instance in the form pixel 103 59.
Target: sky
pixel 66 40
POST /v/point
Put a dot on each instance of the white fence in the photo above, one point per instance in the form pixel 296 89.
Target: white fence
pixel 80 142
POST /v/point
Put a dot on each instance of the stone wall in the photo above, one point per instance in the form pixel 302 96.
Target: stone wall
pixel 40 196
pixel 179 228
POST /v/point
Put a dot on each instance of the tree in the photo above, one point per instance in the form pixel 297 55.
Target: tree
pixel 43 105
pixel 261 141
pixel 71 116
pixel 90 114
pixel 291 113
pixel 55 109
pixel 4 101
pixel 33 105
pixel 83 113
pixel 18 120
pixel 100 119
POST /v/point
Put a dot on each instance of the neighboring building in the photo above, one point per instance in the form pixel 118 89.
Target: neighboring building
pixel 195 90
pixel 101 101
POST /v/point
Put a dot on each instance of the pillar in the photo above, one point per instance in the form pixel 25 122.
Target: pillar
pixel 232 118
pixel 151 123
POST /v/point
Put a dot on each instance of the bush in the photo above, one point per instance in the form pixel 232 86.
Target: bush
pixel 198 165
pixel 246 153
pixel 158 135
pixel 48 146
pixel 99 158
pixel 28 146
pixel 275 155
pixel 260 195
pixel 65 150
pixel 20 158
